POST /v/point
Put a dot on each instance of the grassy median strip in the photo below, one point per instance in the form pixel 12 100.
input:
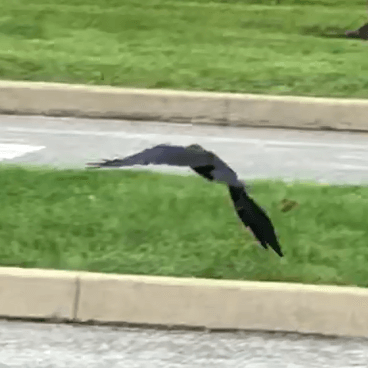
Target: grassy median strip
pixel 140 222
pixel 214 45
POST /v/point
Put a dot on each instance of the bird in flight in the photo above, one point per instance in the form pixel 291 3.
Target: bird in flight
pixel 212 168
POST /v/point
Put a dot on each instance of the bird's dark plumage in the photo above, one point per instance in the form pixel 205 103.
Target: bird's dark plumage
pixel 254 217
pixel 212 168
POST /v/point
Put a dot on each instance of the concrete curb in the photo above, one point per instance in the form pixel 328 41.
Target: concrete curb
pixel 211 304
pixel 52 99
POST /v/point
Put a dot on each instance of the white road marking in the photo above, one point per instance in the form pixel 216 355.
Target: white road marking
pixel 10 151
pixel 188 137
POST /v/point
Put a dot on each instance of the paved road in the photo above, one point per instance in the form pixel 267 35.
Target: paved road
pixel 253 153
pixel 328 157
pixel 32 345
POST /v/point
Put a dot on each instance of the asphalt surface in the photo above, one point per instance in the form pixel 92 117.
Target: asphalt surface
pixel 58 346
pixel 253 153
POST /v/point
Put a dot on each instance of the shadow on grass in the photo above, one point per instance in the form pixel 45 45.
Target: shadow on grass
pixel 324 32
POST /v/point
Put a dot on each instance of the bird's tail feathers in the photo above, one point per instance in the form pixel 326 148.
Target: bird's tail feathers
pixel 259 222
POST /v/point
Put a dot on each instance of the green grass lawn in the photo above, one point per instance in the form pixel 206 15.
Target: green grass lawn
pixel 216 45
pixel 148 223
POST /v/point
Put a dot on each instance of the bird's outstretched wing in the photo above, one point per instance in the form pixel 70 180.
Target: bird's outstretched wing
pixel 161 155
pixel 254 217
pixel 203 162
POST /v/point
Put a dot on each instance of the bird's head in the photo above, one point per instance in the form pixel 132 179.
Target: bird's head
pixel 195 147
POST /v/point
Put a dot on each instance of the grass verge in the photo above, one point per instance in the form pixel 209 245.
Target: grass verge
pixel 233 46
pixel 148 223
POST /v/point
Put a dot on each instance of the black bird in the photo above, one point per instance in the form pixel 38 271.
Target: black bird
pixel 212 168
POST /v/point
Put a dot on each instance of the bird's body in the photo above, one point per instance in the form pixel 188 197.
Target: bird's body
pixel 212 168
